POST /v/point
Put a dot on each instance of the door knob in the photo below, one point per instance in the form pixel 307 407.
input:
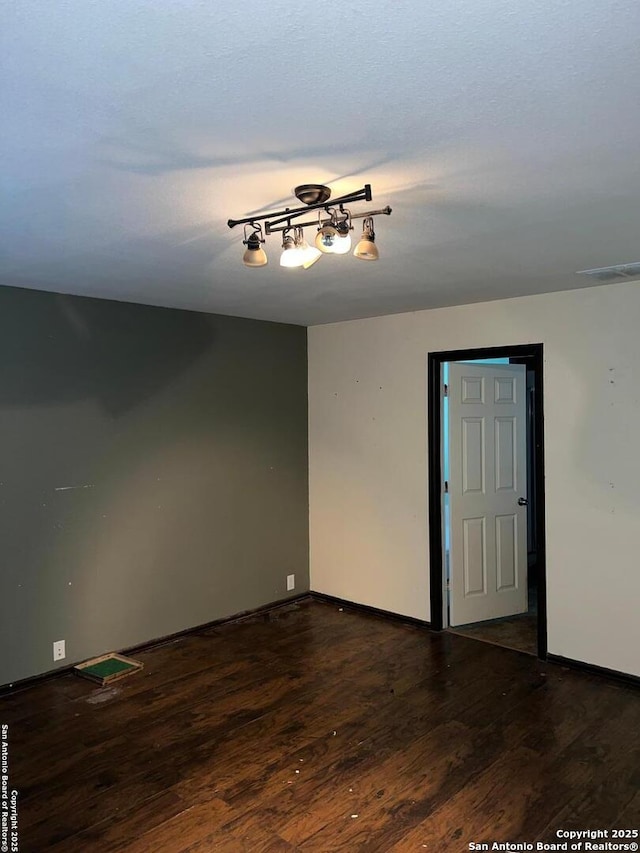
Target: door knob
pixel 522 502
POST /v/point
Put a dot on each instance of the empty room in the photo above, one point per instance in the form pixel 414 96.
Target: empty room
pixel 319 485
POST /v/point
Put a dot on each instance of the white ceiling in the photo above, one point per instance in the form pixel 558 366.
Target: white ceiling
pixel 504 135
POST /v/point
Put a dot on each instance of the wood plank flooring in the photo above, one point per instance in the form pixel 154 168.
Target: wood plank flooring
pixel 316 728
pixel 513 632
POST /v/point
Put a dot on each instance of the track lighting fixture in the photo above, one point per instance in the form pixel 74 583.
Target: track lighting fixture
pixel 311 253
pixel 343 239
pixel 333 228
pixel 255 255
pixel 326 237
pixel 291 255
pixel 366 249
pixel 296 252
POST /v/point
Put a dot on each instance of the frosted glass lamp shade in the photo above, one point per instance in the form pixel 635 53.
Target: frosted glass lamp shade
pixel 311 255
pixel 292 255
pixel 254 257
pixel 342 245
pixel 366 249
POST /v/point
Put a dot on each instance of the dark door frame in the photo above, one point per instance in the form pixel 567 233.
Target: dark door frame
pixel 532 355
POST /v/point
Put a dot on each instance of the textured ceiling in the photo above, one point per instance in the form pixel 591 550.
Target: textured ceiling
pixel 503 134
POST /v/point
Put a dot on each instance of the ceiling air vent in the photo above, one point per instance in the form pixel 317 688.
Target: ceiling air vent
pixel 619 272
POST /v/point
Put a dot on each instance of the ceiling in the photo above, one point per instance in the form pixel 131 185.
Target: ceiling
pixel 504 135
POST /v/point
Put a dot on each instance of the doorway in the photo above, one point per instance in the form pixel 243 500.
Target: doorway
pixel 502 630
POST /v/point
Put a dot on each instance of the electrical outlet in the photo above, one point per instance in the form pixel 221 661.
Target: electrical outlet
pixel 291 582
pixel 59 652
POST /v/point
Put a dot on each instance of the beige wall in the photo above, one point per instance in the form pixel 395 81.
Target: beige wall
pixel 368 458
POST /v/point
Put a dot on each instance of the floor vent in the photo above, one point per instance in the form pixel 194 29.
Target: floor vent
pixel 619 272
pixel 108 668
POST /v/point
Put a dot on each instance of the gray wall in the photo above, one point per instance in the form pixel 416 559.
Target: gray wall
pixel 153 472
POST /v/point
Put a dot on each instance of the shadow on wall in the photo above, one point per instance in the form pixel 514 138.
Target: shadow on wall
pixel 60 349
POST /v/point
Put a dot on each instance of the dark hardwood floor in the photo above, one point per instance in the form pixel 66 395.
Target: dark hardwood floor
pixel 313 728
pixel 513 632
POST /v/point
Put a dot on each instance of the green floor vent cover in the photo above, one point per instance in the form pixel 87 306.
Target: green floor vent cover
pixel 107 668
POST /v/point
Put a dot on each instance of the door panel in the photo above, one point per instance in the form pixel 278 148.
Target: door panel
pixel 475 563
pixel 473 457
pixel 505 458
pixel 487 447
pixel 506 553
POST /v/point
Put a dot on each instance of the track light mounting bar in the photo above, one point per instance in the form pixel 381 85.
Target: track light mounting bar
pixel 284 215
pixel 271 229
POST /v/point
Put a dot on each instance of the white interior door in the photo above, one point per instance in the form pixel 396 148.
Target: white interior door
pixel 487 491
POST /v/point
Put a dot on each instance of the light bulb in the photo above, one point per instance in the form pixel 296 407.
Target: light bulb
pixel 326 238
